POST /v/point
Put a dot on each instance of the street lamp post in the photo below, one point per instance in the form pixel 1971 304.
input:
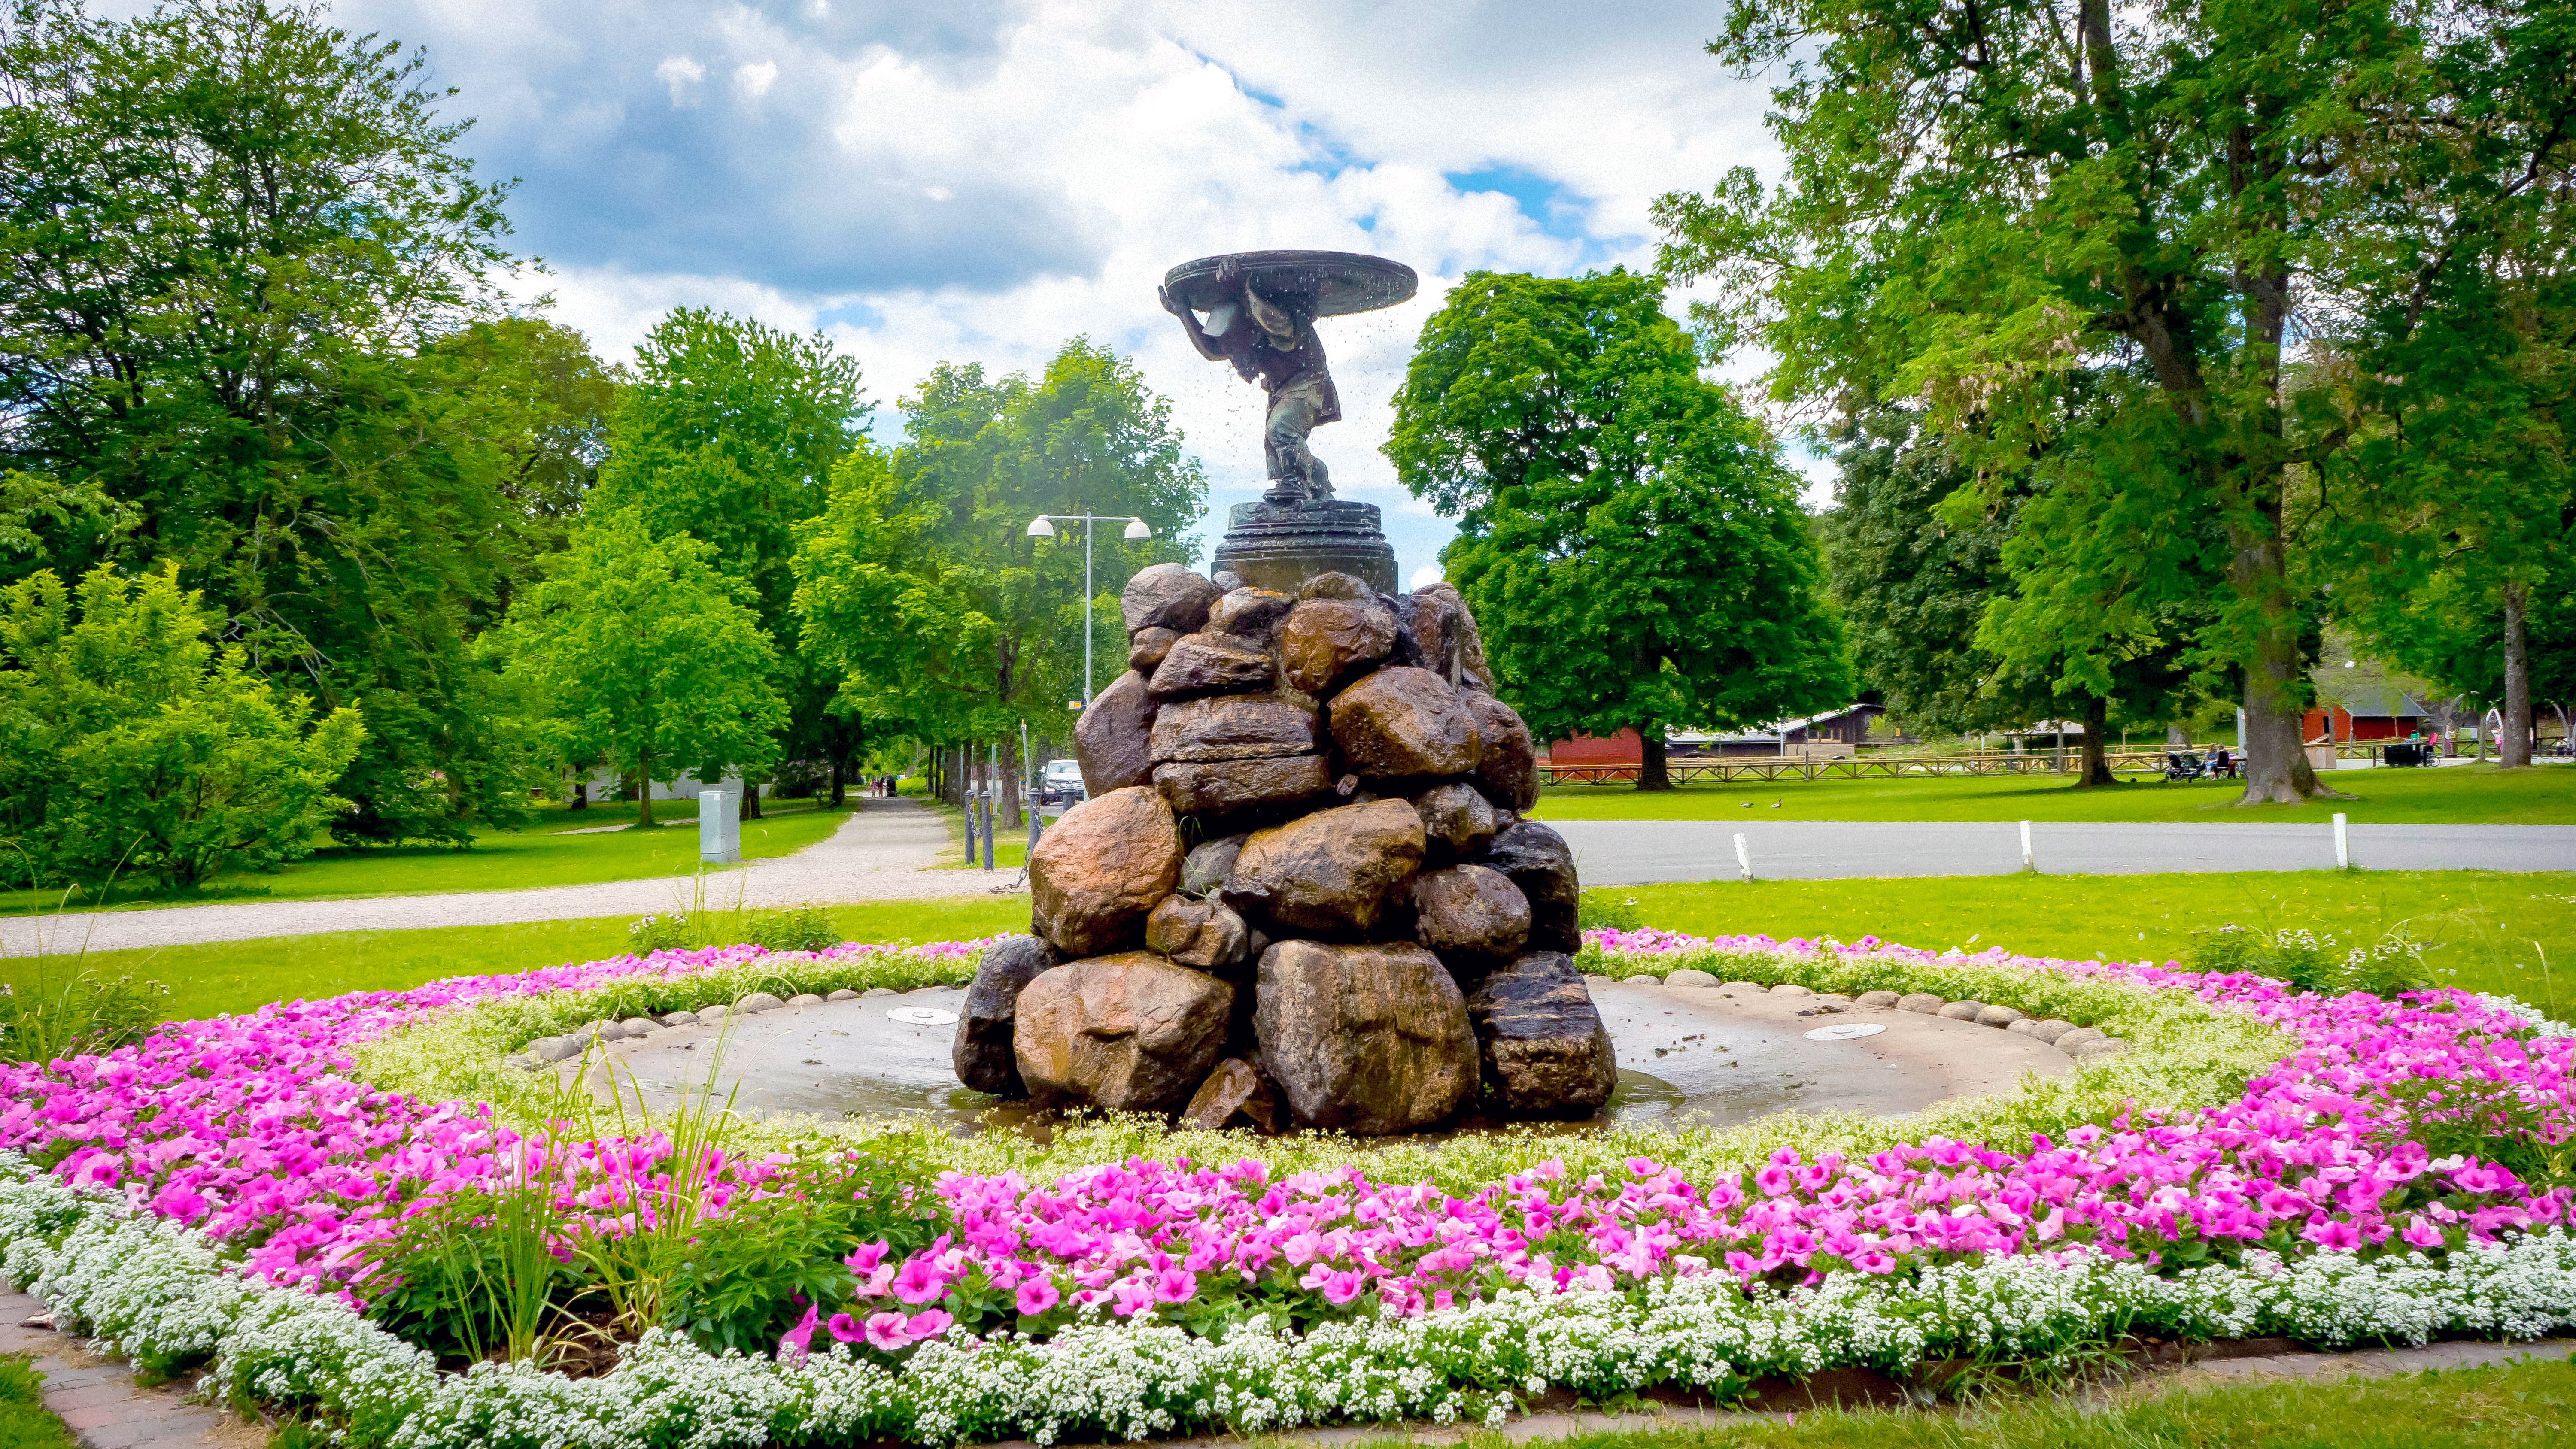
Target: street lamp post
pixel 1043 526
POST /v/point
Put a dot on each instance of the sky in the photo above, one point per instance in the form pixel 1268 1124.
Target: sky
pixel 979 180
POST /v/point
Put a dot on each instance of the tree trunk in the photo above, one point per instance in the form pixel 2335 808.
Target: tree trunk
pixel 2276 768
pixel 644 788
pixel 839 783
pixel 2097 723
pixel 580 796
pixel 1009 805
pixel 748 807
pixel 1651 773
pixel 2513 746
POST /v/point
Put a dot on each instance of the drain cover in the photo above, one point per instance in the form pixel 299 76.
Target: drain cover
pixel 923 1016
pixel 1845 1031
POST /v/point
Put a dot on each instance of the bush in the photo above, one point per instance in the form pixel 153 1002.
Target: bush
pixel 128 742
pixel 2313 961
pixel 780 928
pixel 800 780
pixel 87 1013
pixel 1609 910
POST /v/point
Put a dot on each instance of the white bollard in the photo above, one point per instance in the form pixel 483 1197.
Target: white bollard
pixel 2343 844
pixel 719 833
pixel 1743 857
pixel 2029 862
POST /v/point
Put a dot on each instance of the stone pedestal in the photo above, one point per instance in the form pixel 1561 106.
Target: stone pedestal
pixel 719 828
pixel 1279 546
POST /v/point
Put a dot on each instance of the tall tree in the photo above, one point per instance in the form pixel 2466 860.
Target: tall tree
pixel 920 582
pixel 1629 539
pixel 1985 202
pixel 231 230
pixel 650 656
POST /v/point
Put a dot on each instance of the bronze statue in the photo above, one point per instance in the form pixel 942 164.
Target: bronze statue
pixel 1259 311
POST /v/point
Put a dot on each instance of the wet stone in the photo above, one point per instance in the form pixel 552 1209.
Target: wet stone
pixel 1201 664
pixel 1399 724
pixel 1235 1089
pixel 982 1051
pixel 1327 643
pixel 1229 788
pixel 1148 648
pixel 1367 1039
pixel 1539 862
pixel 1234 727
pixel 1107 861
pixel 1336 871
pixel 1336 586
pixel 1456 821
pixel 1208 864
pixel 1506 761
pixel 1110 739
pixel 1250 615
pixel 1201 934
pixel 1544 1050
pixel 1470 910
pixel 1167 596
pixel 1129 1032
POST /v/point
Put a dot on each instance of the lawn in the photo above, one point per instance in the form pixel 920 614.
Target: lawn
pixel 2484 930
pixel 24 1423
pixel 2508 1407
pixel 237 976
pixel 1010 850
pixel 564 847
pixel 2457 794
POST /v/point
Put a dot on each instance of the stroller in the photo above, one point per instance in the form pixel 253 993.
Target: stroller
pixel 2186 765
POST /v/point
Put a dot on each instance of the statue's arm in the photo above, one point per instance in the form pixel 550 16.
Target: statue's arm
pixel 1189 325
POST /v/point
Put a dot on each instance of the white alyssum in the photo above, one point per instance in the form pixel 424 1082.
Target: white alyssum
pixel 164 1295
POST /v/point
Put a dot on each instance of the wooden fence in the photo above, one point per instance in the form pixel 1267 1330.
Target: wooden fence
pixel 1725 770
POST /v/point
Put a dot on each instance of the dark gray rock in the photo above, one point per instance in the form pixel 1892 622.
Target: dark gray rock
pixel 1167 596
pixel 1364 1039
pixel 1203 935
pixel 1211 664
pixel 1456 821
pixel 1111 739
pixel 1208 864
pixel 1506 761
pixel 1130 1032
pixel 982 1049
pixel 1335 872
pixel 1545 1052
pixel 1405 724
pixel 1470 910
pixel 1539 862
pixel 1250 615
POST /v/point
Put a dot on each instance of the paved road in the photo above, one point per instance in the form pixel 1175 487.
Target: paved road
pixel 879 854
pixel 1646 852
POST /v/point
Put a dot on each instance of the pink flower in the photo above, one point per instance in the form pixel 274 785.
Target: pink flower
pixel 919 1282
pixel 2422 1234
pixel 795 1343
pixel 1037 1295
pixel 2332 1234
pixel 846 1328
pixel 929 1323
pixel 865 1260
pixel 1175 1285
pixel 888 1331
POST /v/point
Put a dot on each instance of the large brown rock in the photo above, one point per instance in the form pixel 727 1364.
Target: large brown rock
pixel 1244 787
pixel 1327 643
pixel 1148 648
pixel 1211 664
pixel 1335 872
pixel 1460 621
pixel 982 1048
pixel 1201 934
pixel 1111 739
pixel 1364 1039
pixel 1104 865
pixel 1470 910
pixel 1131 1032
pixel 1167 596
pixel 1423 632
pixel 1336 586
pixel 1538 861
pixel 1545 1052
pixel 1400 724
pixel 1235 727
pixel 1506 764
pixel 1457 821
pixel 1251 615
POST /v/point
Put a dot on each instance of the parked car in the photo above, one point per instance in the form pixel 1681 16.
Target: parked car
pixel 1060 784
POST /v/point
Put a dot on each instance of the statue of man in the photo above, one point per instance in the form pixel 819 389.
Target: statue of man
pixel 1276 346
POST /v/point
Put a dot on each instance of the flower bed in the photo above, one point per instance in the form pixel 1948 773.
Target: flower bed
pixel 2335 1169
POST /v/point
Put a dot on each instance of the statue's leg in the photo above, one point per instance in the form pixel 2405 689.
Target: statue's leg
pixel 1292 417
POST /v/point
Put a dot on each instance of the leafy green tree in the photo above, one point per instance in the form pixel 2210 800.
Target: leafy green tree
pixel 919 583
pixel 728 431
pixel 131 743
pixel 1629 539
pixel 651 655
pixel 232 231
pixel 1996 206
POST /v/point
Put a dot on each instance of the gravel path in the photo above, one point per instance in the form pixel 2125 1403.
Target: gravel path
pixel 1648 852
pixel 881 853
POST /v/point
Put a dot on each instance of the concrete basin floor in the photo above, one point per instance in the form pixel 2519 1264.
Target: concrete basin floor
pixel 1688 1056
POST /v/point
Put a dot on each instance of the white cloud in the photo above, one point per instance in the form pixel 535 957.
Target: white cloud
pixel 754 80
pixel 682 75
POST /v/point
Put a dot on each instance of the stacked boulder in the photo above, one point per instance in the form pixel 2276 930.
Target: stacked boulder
pixel 1300 891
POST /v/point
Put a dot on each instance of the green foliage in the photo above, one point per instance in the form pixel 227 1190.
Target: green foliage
pixel 52 1015
pixel 237 234
pixel 1613 909
pixel 650 656
pixel 919 584
pixel 129 742
pixel 24 1424
pixel 2314 961
pixel 780 1253
pixel 1629 539
pixel 780 928
pixel 473 1274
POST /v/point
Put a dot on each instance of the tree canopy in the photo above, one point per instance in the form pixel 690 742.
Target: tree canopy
pixel 1628 537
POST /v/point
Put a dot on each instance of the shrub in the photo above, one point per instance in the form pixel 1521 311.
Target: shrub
pixel 128 741
pixel 2310 961
pixel 88 1013
pixel 780 928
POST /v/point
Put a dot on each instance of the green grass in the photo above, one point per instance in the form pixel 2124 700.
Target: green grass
pixel 2518 1406
pixel 1010 851
pixel 2457 794
pixel 236 976
pixel 2478 926
pixel 545 854
pixel 24 1423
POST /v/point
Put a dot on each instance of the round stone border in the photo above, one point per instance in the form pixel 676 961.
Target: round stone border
pixel 2084 1043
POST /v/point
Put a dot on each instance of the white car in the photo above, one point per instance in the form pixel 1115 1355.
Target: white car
pixel 1060 784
